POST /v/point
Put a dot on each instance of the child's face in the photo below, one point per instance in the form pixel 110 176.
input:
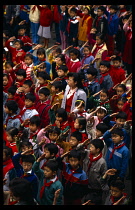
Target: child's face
pixel 7 111
pixel 120 105
pixel 120 122
pixel 116 64
pixel 21 31
pixel 17 45
pixel 41 81
pixel 103 96
pixel 98 133
pixel 81 109
pixel 63 8
pixel 73 56
pixel 93 149
pixel 76 124
pixel 103 69
pixel 9 138
pixel 85 12
pixel 99 12
pixel 26 88
pixel 74 162
pixel 5 81
pixel 60 73
pixel 73 141
pixel 47 153
pixel 28 61
pixel 33 127
pixel 116 138
pixel 41 56
pixel 10 95
pixel 28 103
pixel 112 11
pixel 8 68
pixel 53 136
pixel 49 174
pixel 59 118
pixel 101 115
pixel 119 91
pixel 24 148
pixel 116 192
pixel 19 77
pixel 42 97
pixel 86 51
pixel 4 156
pixel 72 14
pixel 58 61
pixel 26 166
pixel 53 89
pixel 99 41
pixel 41 68
pixel 90 77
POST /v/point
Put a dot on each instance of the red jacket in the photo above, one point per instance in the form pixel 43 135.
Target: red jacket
pixel 117 74
pixel 26 40
pixel 46 16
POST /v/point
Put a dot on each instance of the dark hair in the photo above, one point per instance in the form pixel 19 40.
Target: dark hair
pixel 45 91
pixel 43 75
pixel 82 122
pixel 25 143
pixel 43 64
pixel 12 131
pixel 20 42
pixel 29 56
pixel 105 63
pixel 41 51
pixel 6 75
pixel 118 184
pixel 75 154
pixel 101 110
pixel 58 50
pixel 73 10
pixel 28 158
pixel 9 63
pixel 105 91
pixel 102 127
pixel 123 99
pixel 12 106
pixel 61 113
pixel 76 78
pixel 22 188
pixel 75 52
pixel 62 57
pixel 30 96
pixel 58 84
pixel 118 131
pixel 101 36
pixel 77 135
pixel 63 68
pixel 12 89
pixel 117 58
pixel 102 8
pixel 52 148
pixel 21 72
pixel 79 101
pixel 35 120
pixel 8 151
pixel 52 165
pixel 93 71
pixel 54 129
pixel 121 115
pixel 98 144
pixel 22 27
pixel 115 7
pixel 89 47
pixel 122 86
pixel 28 82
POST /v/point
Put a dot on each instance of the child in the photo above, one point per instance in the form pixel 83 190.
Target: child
pixel 9 69
pixel 62 75
pixel 117 104
pixel 11 93
pixel 43 106
pixel 25 170
pixel 48 182
pixel 11 139
pixel 17 52
pixel 104 78
pixel 13 119
pixel 52 55
pixel 8 168
pixel 118 154
pixel 7 82
pixel 74 179
pixel 29 109
pixel 43 81
pixel 95 166
pixel 72 27
pixel 20 77
pixel 59 60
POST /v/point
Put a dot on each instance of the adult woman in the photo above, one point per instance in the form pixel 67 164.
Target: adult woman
pixel 73 92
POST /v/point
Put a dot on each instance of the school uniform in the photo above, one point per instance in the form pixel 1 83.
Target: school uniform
pixel 27 69
pixel 72 30
pixel 13 121
pixel 105 81
pixel 27 113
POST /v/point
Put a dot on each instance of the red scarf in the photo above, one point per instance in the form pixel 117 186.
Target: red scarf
pixel 33 9
pixel 116 147
pixel 85 58
pixel 71 175
pixel 93 159
pixel 114 199
pixel 102 103
pixel 101 79
pixel 97 21
pixel 22 111
pixel 46 184
pixel 8 165
pixel 15 117
pixel 68 25
pixel 33 134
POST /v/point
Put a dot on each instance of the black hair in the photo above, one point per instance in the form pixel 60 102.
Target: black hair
pixel 62 57
pixel 105 63
pixel 12 131
pixel 20 42
pixel 28 55
pixel 93 71
pixel 82 122
pixel 105 91
pixel 41 51
pixel 28 82
pixel 102 127
pixel 118 184
pixel 58 50
pixel 63 68
pixel 117 58
pixel 43 75
pixel 28 158
pixel 102 8
pixel 121 115
pixel 9 63
pixel 12 106
pixel 98 144
pixel 101 36
pixel 73 10
pixel 76 78
pixel 58 84
pixel 115 7
pixel 101 110
pixel 52 165
pixel 43 64
pixel 122 86
pixel 8 151
pixel 89 47
pixel 45 91
pixel 79 101
pixel 61 113
pixel 123 99
pixel 118 131
pixel 30 96
pixel 35 120
pixel 87 9
pixel 77 135
pixel 75 154
pixel 22 188
pixel 54 129
pixel 75 52
pixel 21 72
pixel 12 90
pixel 6 75
pixel 52 148
pixel 22 27
pixel 25 143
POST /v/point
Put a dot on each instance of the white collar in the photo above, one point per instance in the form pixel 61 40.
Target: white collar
pixel 74 60
pixel 28 172
pixel 54 179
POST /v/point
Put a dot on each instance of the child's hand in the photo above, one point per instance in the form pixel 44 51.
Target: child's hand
pixel 22 22
pixel 72 115
pixel 17 84
pixel 113 56
pixel 111 172
pixel 115 86
pixel 120 200
pixel 112 115
pixel 93 31
pixel 18 65
pixel 40 64
pixel 86 66
pixel 20 90
pixel 42 141
pixel 95 59
pixel 26 121
pixel 47 127
pixel 113 127
pixel 129 121
pixel 4 181
pixel 19 54
pixel 11 39
pixel 114 97
pixel 65 154
pixel 41 157
pixel 57 193
pixel 87 203
pixel 55 105
pixel 97 93
pixel 91 120
pixel 27 151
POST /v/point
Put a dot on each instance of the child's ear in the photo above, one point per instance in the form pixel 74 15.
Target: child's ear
pixel 54 173
pixel 122 137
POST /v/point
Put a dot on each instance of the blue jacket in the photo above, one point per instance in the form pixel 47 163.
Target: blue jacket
pixel 120 157
pixel 107 82
pixel 36 62
pixel 112 24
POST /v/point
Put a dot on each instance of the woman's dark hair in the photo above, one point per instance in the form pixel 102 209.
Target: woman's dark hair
pixel 76 78
pixel 41 51
pixel 12 131
pixel 9 63
pixel 35 120
pixel 20 42
pixel 82 122
pixel 52 164
pixel 75 52
pixel 62 57
pixel 21 72
pixel 30 96
pixel 61 113
pixel 22 188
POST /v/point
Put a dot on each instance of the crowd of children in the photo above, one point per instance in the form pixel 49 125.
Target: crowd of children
pixel 67 109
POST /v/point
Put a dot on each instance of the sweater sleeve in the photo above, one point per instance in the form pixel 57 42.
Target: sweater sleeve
pixel 124 165
pixel 39 172
pixel 107 138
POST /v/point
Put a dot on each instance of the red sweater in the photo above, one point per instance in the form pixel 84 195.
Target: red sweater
pixel 117 74
pixel 73 66
pixel 46 16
